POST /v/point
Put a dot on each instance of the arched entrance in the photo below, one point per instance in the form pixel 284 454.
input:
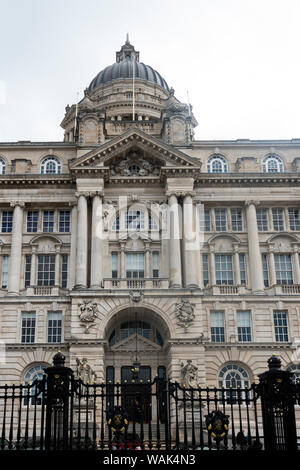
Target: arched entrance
pixel 135 353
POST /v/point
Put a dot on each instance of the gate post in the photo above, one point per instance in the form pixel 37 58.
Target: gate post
pixel 57 404
pixel 278 412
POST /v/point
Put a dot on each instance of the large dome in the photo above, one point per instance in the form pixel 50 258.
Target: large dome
pixel 127 58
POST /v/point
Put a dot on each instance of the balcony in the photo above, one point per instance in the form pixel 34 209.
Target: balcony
pixel 290 289
pixel 229 290
pixel 150 283
pixel 42 290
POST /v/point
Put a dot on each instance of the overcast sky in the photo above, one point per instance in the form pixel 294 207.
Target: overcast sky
pixel 238 60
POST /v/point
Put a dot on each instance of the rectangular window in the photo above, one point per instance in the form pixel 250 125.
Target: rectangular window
pixel 205 221
pixel 48 221
pixel 32 221
pixel 244 326
pixel 54 327
pixel 205 269
pixel 4 271
pixel 27 270
pixel 155 264
pixel 217 327
pixel 262 219
pixel 294 219
pixel 134 265
pixel 46 270
pixel 7 221
pixel 236 220
pixel 135 220
pixel 243 274
pixel 224 271
pixel 64 271
pixel 114 265
pixel 283 268
pixel 281 326
pixel 28 327
pixel 220 218
pixel 265 270
pixel 64 221
pixel 278 219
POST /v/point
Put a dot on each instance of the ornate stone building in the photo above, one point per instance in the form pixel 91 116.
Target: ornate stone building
pixel 95 247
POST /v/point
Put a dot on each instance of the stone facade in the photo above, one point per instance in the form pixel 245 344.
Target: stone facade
pixel 87 268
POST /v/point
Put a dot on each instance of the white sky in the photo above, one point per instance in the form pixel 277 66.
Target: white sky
pixel 238 59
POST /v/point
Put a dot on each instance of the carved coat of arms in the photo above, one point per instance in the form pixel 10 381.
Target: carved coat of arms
pixel 185 313
pixel 88 312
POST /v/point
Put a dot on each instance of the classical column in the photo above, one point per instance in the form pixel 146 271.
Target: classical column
pixel 123 261
pixel 212 266
pixel 33 267
pixel 271 266
pixel 82 242
pixel 147 267
pixel 14 269
pixel 57 266
pixel 255 261
pixel 174 243
pixel 295 257
pixel 72 257
pixel 97 236
pixel 236 265
pixel 190 257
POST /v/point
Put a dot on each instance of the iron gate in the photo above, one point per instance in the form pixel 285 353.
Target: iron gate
pixel 61 412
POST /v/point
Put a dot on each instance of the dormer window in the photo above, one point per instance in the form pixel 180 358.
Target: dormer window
pixel 217 164
pixel 272 164
pixel 2 166
pixel 50 166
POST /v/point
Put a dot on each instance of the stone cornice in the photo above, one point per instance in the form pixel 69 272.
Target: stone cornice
pixel 34 180
pixel 255 346
pixel 246 180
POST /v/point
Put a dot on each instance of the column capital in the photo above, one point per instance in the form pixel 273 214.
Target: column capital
pixel 180 193
pixel 72 204
pixel 211 247
pixel 96 193
pixel 236 247
pixel 295 246
pixel 271 247
pixel 17 203
pixel 89 194
pixel 250 202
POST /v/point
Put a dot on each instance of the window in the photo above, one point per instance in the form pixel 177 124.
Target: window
pixel 134 265
pixel 114 265
pixel 205 269
pixel 205 220
pixel 32 221
pixel 7 221
pixel 129 328
pixel 244 326
pixel 64 271
pixel 135 220
pixel 64 221
pixel 54 327
pixel 243 274
pixel 236 220
pixel 48 221
pixel 28 327
pixel 155 264
pixel 217 327
pixel 265 270
pixel 272 164
pixel 262 219
pixel 224 272
pixel 233 376
pixel 278 219
pixel 295 369
pixel 4 272
pixel 50 166
pixel 152 223
pixel 294 219
pixel 2 166
pixel 220 218
pixel 280 326
pixel 27 270
pixel 116 224
pixel 33 374
pixel 217 164
pixel 46 270
pixel 283 268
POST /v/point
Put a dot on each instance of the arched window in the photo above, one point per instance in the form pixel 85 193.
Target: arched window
pixel 295 369
pixel 35 373
pixel 272 164
pixel 50 166
pixel 2 166
pixel 131 327
pixel 136 220
pixel 233 376
pixel 217 164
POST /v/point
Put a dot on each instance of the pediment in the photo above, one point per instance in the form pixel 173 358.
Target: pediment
pixel 134 147
pixel 131 344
